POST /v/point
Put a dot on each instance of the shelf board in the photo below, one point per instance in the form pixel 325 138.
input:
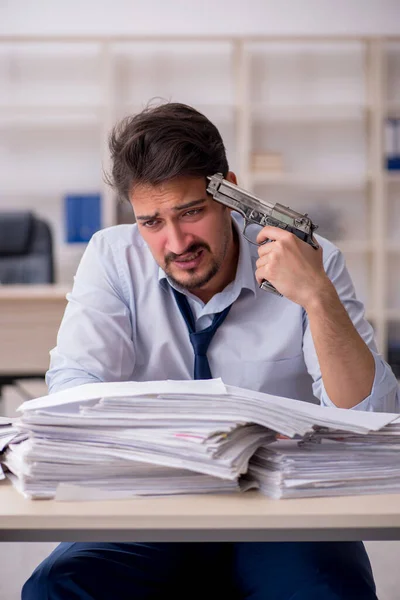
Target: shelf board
pixel 310 113
pixel 222 111
pixel 40 109
pixel 393 247
pixel 393 109
pixel 392 314
pixel 392 176
pixel 49 192
pixel 46 115
pixel 359 247
pixel 353 246
pixel 328 181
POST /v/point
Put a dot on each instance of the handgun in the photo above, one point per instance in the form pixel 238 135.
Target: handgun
pixel 260 212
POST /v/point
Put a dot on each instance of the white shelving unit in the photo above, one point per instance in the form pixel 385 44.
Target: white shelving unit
pixel 319 103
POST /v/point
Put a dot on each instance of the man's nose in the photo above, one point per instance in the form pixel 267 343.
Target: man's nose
pixel 177 239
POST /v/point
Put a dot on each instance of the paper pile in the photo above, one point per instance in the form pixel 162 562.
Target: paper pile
pixel 7 431
pixel 328 463
pixel 7 434
pixel 116 440
pixel 111 440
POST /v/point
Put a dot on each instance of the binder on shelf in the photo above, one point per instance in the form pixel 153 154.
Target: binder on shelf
pixel 82 216
pixel 392 144
pixel 394 357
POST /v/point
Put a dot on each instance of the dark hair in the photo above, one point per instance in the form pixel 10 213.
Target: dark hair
pixel 164 142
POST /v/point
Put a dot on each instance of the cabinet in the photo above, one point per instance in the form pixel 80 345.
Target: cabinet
pixel 312 111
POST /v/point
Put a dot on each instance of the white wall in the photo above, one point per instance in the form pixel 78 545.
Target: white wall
pixel 273 17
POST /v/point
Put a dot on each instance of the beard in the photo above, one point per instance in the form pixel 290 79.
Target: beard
pixel 192 280
pixel 195 281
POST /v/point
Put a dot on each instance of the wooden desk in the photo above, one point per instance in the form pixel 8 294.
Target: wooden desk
pixel 30 316
pixel 247 517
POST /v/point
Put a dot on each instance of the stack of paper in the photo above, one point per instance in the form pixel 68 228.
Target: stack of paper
pixel 124 439
pixel 329 463
pixel 7 434
pixel 142 461
pixel 160 437
pixel 7 431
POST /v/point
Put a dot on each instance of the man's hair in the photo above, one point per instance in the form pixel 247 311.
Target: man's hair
pixel 162 143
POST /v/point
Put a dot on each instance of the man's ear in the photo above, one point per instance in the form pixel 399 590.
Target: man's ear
pixel 231 177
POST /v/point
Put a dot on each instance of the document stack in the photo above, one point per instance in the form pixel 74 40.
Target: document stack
pixel 7 431
pixel 115 440
pixel 7 434
pixel 329 463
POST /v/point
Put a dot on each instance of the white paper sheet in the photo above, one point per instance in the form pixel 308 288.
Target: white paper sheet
pixel 91 391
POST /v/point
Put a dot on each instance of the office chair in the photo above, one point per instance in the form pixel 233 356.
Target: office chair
pixel 26 249
pixel 26 257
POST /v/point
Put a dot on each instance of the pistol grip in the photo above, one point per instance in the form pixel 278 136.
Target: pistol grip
pixel 268 287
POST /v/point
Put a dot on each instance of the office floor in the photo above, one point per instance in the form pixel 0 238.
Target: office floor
pixel 17 560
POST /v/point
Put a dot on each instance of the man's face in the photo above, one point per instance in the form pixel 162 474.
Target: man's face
pixel 188 233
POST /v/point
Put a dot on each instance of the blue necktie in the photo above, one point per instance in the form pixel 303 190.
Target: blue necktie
pixel 200 340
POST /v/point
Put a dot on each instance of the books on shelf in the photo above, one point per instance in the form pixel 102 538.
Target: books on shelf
pixel 271 162
pixel 115 440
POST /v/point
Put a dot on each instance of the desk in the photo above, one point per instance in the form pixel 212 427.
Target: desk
pixel 30 316
pixel 245 517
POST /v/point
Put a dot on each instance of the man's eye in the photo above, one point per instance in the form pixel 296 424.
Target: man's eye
pixel 151 223
pixel 193 212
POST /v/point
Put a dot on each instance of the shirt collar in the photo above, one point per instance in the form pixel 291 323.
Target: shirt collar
pixel 245 269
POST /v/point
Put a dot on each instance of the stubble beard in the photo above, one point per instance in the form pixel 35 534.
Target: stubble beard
pixel 199 281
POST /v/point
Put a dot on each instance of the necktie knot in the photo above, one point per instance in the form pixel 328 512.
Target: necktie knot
pixel 200 341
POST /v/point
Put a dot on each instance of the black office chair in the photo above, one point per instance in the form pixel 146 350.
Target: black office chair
pixel 26 257
pixel 26 249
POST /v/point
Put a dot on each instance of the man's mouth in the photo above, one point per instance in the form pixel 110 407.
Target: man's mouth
pixel 189 261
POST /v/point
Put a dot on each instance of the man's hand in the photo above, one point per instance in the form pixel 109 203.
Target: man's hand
pixel 296 270
pixel 294 267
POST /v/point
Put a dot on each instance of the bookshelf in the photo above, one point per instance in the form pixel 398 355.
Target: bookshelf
pixel 318 103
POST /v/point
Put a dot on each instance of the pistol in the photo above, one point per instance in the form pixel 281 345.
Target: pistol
pixel 260 212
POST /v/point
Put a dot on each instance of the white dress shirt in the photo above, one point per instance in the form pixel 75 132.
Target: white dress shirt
pixel 122 323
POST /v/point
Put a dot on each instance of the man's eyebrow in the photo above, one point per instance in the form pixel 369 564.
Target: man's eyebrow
pixel 147 217
pixel 179 207
pixel 190 204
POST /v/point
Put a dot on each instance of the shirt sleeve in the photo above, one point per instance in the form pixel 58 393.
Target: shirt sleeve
pixel 385 395
pixel 94 342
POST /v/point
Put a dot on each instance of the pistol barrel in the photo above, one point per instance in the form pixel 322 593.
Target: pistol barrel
pixel 257 210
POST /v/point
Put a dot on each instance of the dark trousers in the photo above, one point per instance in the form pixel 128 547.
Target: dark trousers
pixel 251 571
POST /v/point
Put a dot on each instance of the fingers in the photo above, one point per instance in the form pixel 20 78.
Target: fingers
pixel 262 261
pixel 266 249
pixel 259 275
pixel 272 233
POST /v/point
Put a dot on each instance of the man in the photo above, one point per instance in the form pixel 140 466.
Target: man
pixel 125 321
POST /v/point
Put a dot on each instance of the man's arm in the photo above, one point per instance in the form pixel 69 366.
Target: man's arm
pixel 346 363
pixel 94 342
pixel 338 344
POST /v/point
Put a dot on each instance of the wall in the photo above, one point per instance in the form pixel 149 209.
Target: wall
pixel 273 17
